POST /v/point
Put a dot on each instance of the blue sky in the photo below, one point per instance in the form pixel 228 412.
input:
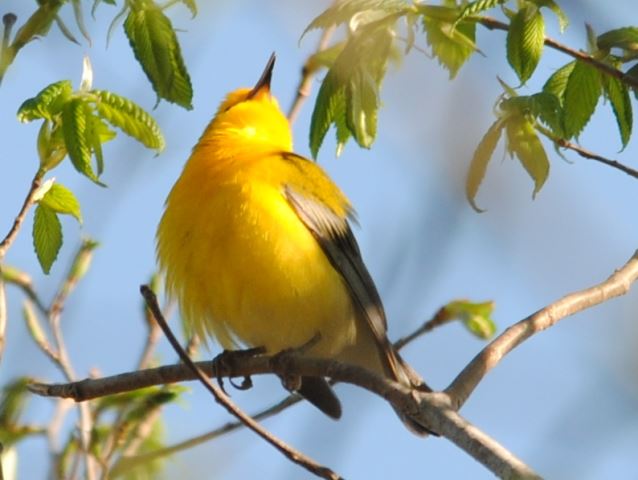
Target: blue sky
pixel 566 401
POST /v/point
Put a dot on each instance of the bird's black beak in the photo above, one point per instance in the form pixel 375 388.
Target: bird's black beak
pixel 263 84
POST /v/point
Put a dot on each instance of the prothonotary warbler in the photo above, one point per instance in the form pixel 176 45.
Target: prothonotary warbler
pixel 256 248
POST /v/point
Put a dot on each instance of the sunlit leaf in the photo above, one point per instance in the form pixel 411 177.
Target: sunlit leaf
pixel 618 94
pixel 62 200
pixel 581 96
pixel 524 144
pixel 46 103
pixel 480 160
pixel 156 48
pixel 47 236
pixel 525 41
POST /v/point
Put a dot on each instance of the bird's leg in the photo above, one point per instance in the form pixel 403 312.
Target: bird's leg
pixel 279 361
pixel 225 363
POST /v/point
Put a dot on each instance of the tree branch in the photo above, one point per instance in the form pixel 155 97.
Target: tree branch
pixel 307 76
pixel 494 24
pixel 617 284
pixel 220 396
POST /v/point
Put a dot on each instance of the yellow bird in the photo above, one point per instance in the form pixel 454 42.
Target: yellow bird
pixel 256 247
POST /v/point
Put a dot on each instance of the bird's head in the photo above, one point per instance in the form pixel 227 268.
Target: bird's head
pixel 252 116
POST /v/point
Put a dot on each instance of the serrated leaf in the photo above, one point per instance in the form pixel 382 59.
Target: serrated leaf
pixel 46 103
pixel 581 96
pixel 342 11
pixel 480 160
pixel 563 21
pixel 38 24
pixel 47 236
pixel 62 200
pixel 354 81
pixel 98 133
pixel 625 38
pixel 156 48
pixel 472 8
pixel 557 83
pixel 618 95
pixel 524 144
pixel 130 118
pixel 547 108
pixel 331 96
pixel 74 128
pixel 525 41
pixel 361 108
pixel 451 45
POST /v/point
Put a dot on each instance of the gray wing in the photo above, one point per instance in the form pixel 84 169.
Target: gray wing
pixel 335 237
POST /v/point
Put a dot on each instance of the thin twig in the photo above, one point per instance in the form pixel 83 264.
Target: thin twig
pixel 561 142
pixel 307 76
pixel 617 284
pixel 29 200
pixel 494 24
pixel 127 463
pixel 78 268
pixel 291 453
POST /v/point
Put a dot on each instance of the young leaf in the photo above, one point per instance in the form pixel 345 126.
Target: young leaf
pixel 353 80
pixel 481 158
pixel 525 40
pixel 633 73
pixel 46 103
pixel 74 127
pixel 546 107
pixel 618 95
pixel 47 236
pixel 523 142
pixel 563 21
pixel 625 38
pixel 156 48
pixel 130 118
pixel 478 6
pixel 557 83
pixel 580 98
pixel 452 45
pixel 62 200
pixel 361 108
pixel 342 11
pixel 477 317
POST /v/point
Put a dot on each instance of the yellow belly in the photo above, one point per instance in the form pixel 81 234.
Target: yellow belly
pixel 245 269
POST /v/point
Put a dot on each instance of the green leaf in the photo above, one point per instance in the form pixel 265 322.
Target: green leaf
pixel 330 99
pixel 563 21
pixel 354 78
pixel 633 73
pixel 618 94
pixel 342 11
pixel 47 236
pixel 46 103
pixel 130 118
pixel 523 142
pixel 472 8
pixel 62 200
pixel 547 108
pixel 525 40
pixel 74 127
pixel 481 158
pixel 625 38
pixel 477 317
pixel 361 108
pixel 557 83
pixel 37 25
pixel 452 45
pixel 156 48
pixel 581 96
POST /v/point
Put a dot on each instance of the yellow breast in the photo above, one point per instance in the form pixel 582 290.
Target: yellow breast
pixel 243 266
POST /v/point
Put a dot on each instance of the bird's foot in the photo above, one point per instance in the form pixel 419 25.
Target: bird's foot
pixel 226 362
